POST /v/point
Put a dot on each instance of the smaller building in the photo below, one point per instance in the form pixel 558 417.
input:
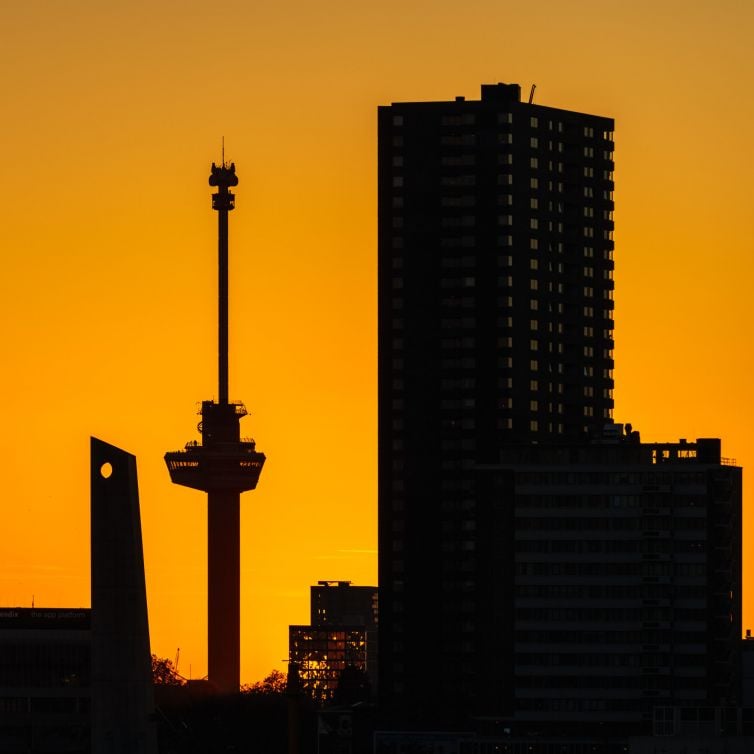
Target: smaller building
pixel 45 661
pixel 342 639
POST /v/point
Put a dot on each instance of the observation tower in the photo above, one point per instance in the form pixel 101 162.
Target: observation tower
pixel 223 465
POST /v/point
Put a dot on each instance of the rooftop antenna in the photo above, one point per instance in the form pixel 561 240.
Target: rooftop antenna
pixel 531 93
pixel 223 150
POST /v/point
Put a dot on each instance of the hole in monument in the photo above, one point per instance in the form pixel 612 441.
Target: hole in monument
pixel 106 470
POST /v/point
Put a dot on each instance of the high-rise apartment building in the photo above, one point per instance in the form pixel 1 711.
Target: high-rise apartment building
pixel 495 341
pixel 495 326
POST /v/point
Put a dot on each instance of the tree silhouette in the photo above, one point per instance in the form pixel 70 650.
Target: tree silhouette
pixel 273 683
pixel 164 672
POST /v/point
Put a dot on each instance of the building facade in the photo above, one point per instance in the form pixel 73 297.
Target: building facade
pixel 495 326
pixel 45 679
pixel 627 580
pixel 342 637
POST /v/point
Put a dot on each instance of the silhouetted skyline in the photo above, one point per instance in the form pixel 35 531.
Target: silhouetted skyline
pixel 109 321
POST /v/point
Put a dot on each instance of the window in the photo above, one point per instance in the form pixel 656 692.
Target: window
pixel 458 180
pixel 534 203
pixel 533 264
pixel 533 324
pixel 465 119
pixel 533 122
pixel 533 223
pixel 533 163
pixel 397 120
pixel 457 160
pixel 505 117
pixel 533 243
pixel 533 142
pixel 533 183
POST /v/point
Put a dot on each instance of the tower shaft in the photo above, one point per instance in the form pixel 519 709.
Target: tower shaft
pixel 224 588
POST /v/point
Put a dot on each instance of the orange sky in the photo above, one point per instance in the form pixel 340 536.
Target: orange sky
pixel 111 115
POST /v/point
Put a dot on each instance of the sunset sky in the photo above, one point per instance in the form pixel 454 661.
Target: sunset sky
pixel 112 112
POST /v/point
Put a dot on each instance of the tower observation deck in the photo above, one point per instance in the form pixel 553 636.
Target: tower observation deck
pixel 223 465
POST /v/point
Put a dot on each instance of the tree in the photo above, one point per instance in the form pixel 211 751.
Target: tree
pixel 164 673
pixel 273 683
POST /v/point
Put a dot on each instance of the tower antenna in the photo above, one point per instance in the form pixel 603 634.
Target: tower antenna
pixel 223 149
pixel 531 93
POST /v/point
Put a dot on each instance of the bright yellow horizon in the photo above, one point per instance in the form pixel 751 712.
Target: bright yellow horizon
pixel 112 115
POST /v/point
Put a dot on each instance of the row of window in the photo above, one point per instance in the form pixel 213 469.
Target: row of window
pixel 632 659
pixel 506 178
pixel 581 546
pixel 677 636
pixel 612 570
pixel 506 118
pixel 609 591
pixel 610 523
pixel 538 704
pixel 647 680
pixel 616 477
pixel 609 614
